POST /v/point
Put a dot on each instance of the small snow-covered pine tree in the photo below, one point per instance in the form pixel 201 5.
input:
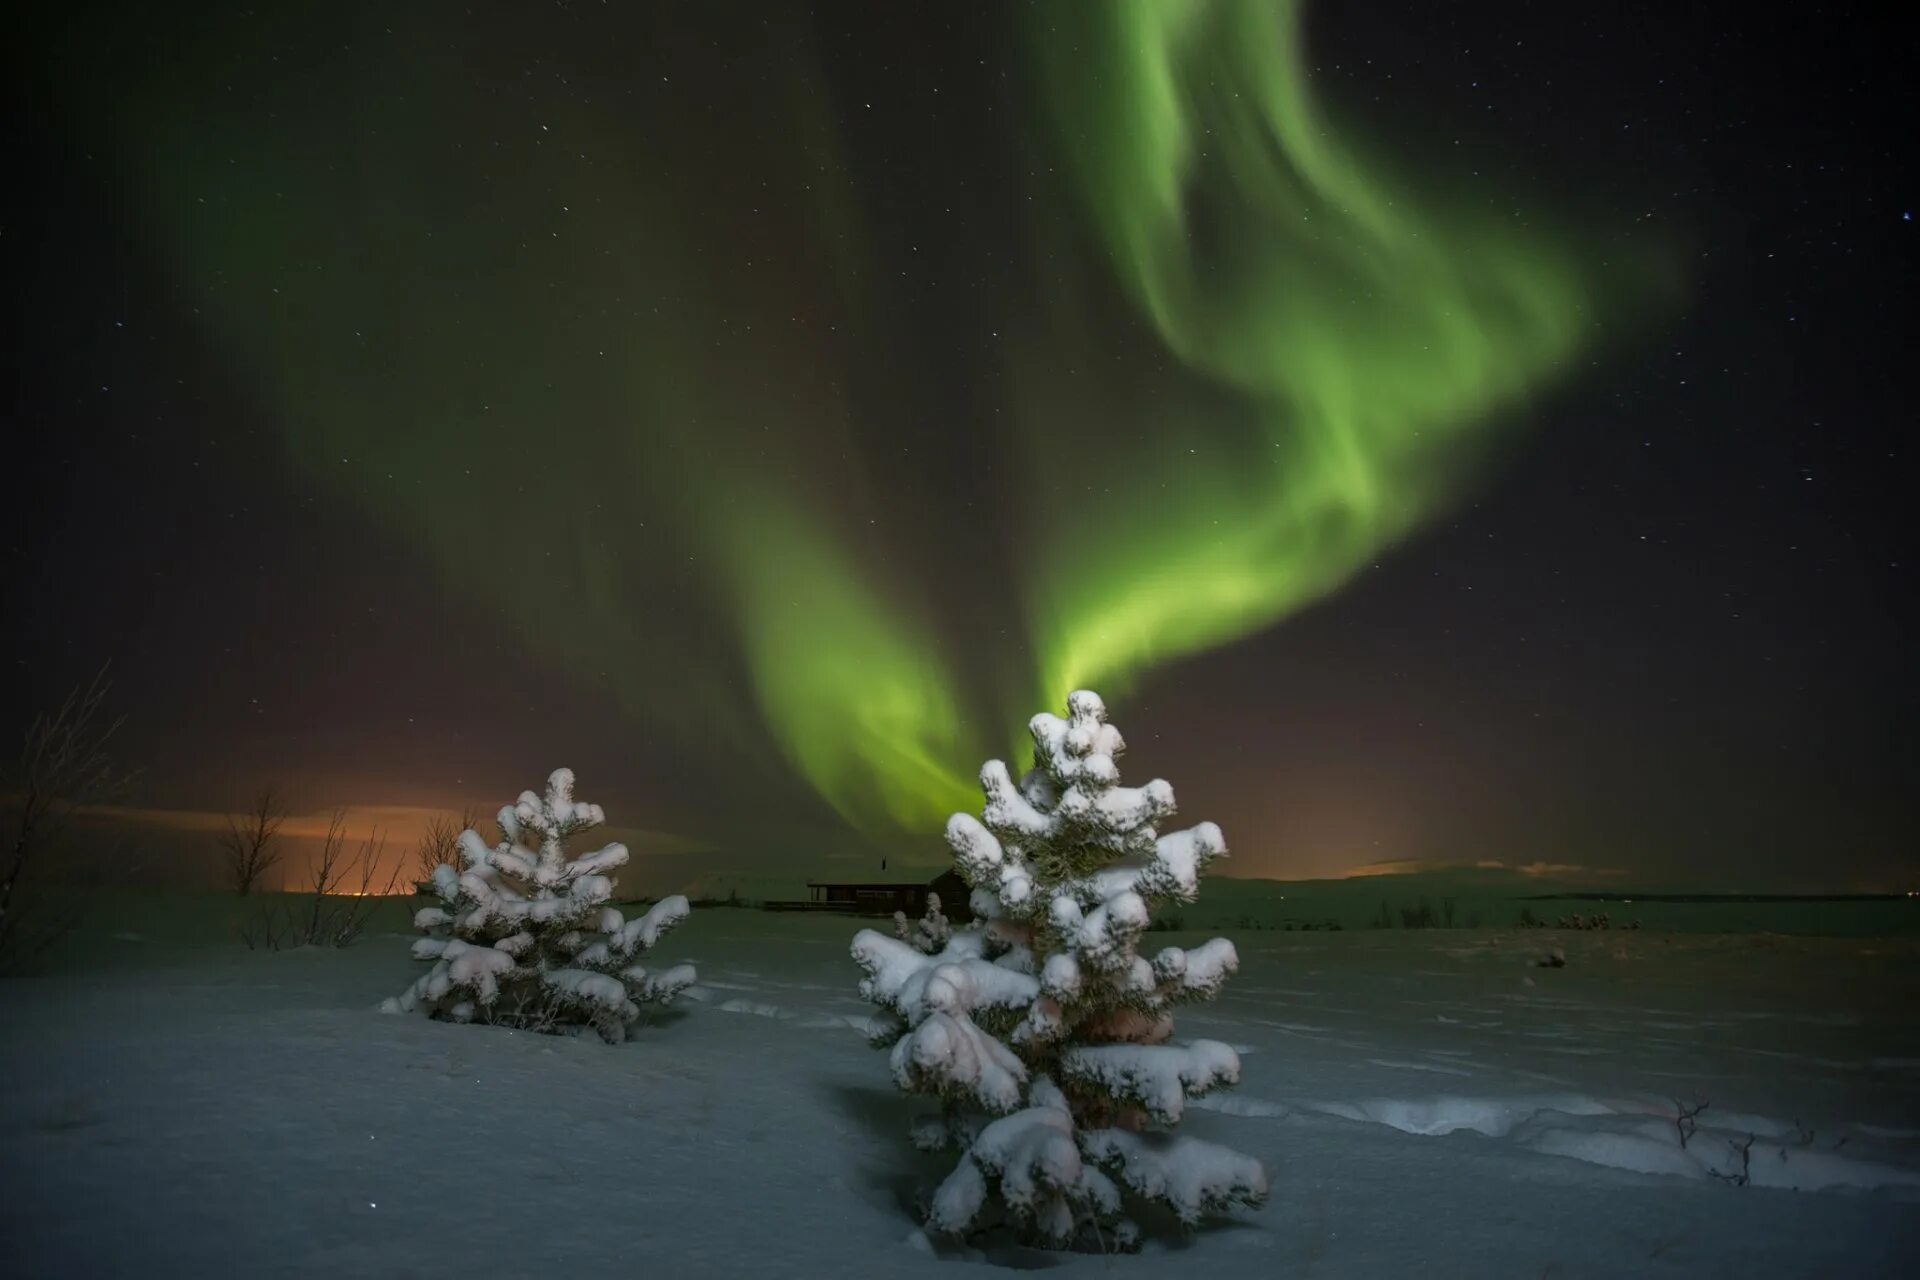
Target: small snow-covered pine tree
pixel 524 936
pixel 1046 1036
pixel 929 933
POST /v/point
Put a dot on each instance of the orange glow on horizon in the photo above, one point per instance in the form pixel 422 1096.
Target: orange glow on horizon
pixel 395 833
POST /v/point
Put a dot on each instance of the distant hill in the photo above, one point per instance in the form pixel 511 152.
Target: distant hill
pixel 1496 897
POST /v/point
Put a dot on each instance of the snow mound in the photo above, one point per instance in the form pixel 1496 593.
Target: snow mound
pixel 1643 1137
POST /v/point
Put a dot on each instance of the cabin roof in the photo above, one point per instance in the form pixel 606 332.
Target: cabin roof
pixel 949 873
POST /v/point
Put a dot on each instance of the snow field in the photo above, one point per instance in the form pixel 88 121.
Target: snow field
pixel 186 1108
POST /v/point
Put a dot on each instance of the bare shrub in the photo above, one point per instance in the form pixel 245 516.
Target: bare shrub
pixel 343 898
pixel 268 927
pixel 440 844
pixel 247 847
pixel 63 767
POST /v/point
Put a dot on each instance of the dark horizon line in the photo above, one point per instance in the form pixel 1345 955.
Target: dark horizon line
pixel 1616 896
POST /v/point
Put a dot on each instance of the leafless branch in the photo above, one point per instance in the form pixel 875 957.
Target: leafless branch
pixel 248 845
pixel 329 879
pixel 1745 1151
pixel 268 927
pixel 440 843
pixel 1686 1119
pixel 63 767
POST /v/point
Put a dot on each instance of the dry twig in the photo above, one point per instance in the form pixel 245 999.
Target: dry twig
pixel 1686 1119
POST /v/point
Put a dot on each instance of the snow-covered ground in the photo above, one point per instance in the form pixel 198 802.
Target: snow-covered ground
pixel 1427 1102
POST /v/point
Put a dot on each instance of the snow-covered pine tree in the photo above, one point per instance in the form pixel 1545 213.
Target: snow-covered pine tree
pixel 929 933
pixel 1044 1034
pixel 524 937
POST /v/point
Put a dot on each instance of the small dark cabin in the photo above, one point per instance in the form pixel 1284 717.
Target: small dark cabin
pixel 885 898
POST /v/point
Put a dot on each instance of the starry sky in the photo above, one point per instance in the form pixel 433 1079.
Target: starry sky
pixel 1445 434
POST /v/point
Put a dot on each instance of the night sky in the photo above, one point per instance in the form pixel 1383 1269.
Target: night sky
pixel 1443 433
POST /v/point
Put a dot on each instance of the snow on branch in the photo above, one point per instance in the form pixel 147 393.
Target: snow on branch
pixel 927 935
pixel 953 1058
pixel 1191 1177
pixel 905 980
pixel 1158 1077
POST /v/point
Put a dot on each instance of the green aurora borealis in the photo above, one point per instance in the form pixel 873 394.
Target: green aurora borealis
pixel 1366 339
pixel 632 379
